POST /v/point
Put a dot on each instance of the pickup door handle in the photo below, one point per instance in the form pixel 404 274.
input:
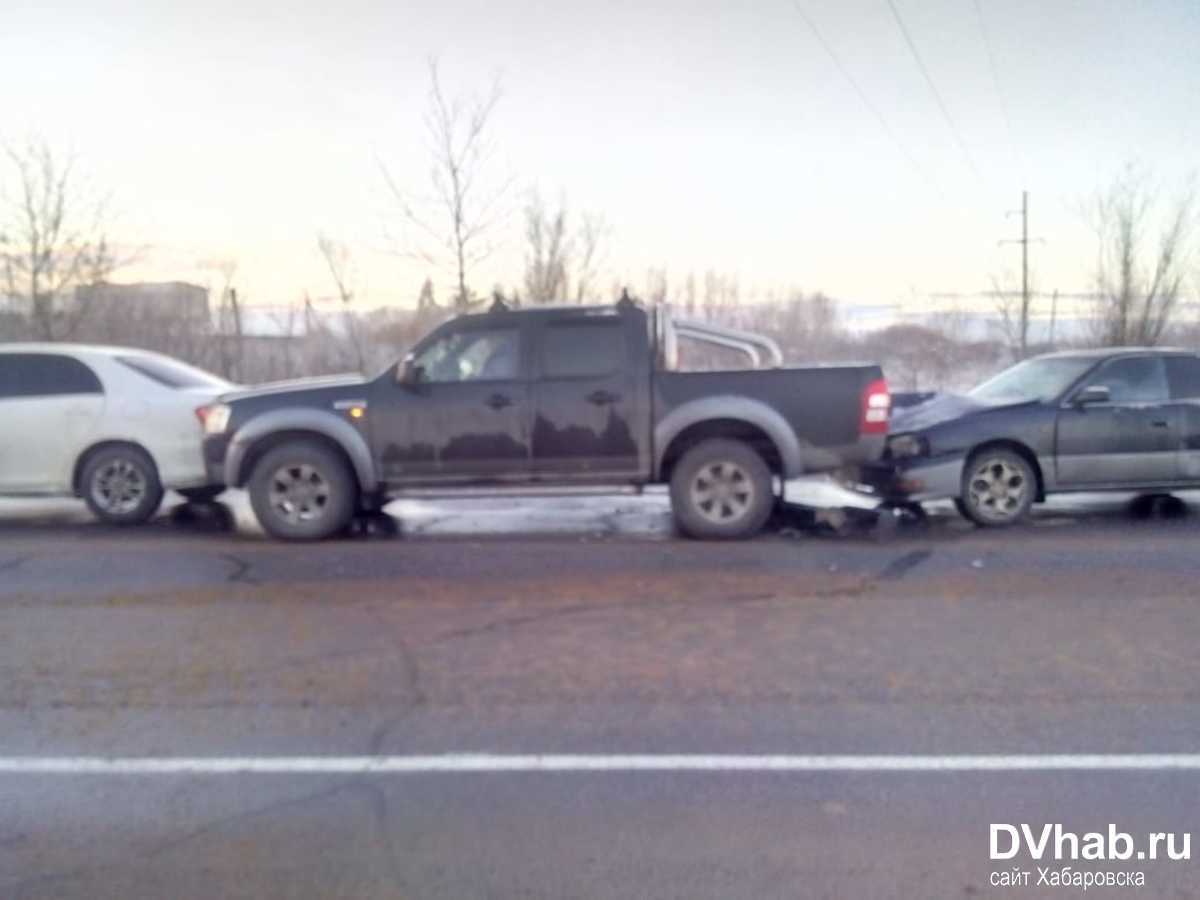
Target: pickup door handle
pixel 498 401
pixel 602 398
pixel 1159 423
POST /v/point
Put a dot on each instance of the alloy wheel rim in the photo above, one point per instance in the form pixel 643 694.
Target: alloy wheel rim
pixel 119 487
pixel 998 489
pixel 722 492
pixel 298 493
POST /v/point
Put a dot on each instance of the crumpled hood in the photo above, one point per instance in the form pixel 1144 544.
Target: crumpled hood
pixel 296 384
pixel 942 408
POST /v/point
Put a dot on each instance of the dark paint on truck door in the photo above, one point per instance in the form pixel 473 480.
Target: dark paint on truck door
pixel 1131 439
pixel 464 416
pixel 591 399
pixel 1183 373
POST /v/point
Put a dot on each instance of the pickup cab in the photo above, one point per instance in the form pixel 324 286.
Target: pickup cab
pixel 549 398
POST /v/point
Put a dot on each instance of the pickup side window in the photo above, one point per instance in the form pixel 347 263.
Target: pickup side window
pixel 1137 379
pixel 1183 372
pixel 476 354
pixel 45 375
pixel 582 349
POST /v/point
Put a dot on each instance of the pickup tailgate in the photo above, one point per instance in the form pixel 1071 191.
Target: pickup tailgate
pixel 822 405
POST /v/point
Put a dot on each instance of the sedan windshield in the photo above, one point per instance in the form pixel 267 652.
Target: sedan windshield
pixel 1034 379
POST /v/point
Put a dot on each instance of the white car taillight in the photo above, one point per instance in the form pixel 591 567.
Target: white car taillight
pixel 214 418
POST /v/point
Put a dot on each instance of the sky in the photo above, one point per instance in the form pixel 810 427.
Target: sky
pixel 708 135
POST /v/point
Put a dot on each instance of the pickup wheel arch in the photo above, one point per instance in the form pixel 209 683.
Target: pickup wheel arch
pixel 266 431
pixel 727 417
pixel 731 429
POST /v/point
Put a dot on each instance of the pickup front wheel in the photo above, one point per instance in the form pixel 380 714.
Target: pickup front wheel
pixel 302 491
pixel 721 490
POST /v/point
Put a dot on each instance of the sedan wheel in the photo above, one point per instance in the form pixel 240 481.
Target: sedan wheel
pixel 120 485
pixel 998 488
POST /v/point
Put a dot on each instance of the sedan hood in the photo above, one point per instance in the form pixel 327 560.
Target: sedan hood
pixel 296 384
pixel 942 408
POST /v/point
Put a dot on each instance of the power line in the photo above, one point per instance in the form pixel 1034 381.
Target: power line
pixel 962 145
pixel 862 95
pixel 1000 96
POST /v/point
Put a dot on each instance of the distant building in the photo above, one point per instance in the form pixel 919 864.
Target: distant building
pixel 173 300
pixel 169 316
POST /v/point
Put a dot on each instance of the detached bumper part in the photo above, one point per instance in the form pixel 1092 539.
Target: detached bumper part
pixel 915 480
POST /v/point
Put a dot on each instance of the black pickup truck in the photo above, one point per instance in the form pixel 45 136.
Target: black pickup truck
pixel 548 397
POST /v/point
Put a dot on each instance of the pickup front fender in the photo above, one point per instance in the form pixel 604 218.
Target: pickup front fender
pixel 315 421
pixel 738 409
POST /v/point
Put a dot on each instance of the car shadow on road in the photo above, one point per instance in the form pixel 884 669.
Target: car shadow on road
pixel 232 516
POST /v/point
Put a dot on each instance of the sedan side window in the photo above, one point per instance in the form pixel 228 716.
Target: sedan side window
pixel 478 354
pixel 1138 379
pixel 45 375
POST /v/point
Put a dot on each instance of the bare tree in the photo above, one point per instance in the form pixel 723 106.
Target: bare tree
pixel 426 300
pixel 1139 274
pixel 547 252
pixel 1015 310
pixel 590 236
pixel 53 237
pixel 467 203
pixel 337 259
pixel 230 343
pixel 561 259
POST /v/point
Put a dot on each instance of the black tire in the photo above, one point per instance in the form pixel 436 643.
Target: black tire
pixel 961 506
pixel 303 491
pixel 120 485
pixel 737 483
pixel 202 494
pixel 998 488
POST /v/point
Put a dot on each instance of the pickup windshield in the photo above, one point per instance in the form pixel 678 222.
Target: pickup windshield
pixel 1043 380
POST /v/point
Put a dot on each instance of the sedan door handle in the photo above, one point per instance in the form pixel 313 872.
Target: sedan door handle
pixel 602 398
pixel 498 401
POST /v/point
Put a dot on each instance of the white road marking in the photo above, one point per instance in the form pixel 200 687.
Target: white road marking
pixel 486 762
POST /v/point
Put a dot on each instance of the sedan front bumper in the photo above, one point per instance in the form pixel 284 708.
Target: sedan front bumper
pixel 915 480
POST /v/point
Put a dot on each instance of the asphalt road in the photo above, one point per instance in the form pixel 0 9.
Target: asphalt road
pixel 585 627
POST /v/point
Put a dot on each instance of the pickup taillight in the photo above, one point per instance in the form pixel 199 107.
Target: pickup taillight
pixel 876 408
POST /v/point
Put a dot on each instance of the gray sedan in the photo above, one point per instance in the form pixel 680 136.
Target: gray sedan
pixel 1114 419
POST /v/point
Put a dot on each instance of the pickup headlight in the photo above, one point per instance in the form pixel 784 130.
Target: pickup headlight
pixel 216 419
pixel 906 446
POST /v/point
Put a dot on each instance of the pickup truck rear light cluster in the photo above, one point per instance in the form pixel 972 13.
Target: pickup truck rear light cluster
pixel 876 408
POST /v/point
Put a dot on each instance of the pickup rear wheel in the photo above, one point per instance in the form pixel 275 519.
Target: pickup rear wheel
pixel 721 490
pixel 302 491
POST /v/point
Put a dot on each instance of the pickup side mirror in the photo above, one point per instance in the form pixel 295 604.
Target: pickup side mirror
pixel 1093 393
pixel 408 373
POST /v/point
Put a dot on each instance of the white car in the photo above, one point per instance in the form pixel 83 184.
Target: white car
pixel 113 425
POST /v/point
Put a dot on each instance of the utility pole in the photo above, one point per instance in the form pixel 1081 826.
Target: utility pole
pixel 1053 316
pixel 1023 240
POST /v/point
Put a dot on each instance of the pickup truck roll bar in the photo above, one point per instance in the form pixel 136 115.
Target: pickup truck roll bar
pixel 669 329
